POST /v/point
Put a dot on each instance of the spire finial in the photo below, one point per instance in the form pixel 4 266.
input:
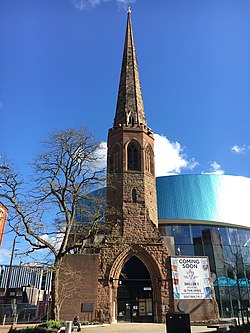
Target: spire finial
pixel 129 10
pixel 129 107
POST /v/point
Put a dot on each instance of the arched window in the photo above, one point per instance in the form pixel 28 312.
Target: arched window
pixel 115 158
pixel 134 195
pixel 132 120
pixel 134 156
pixel 149 159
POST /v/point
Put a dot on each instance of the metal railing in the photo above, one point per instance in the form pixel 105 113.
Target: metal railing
pixel 18 313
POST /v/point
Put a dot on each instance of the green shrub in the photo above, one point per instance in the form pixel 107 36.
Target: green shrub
pixel 85 323
pixel 51 324
pixel 36 329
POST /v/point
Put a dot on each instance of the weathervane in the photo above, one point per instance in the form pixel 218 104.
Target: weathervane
pixel 129 10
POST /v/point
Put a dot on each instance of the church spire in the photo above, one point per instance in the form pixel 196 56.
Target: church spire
pixel 130 108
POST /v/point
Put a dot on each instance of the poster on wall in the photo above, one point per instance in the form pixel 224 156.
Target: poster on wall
pixel 191 278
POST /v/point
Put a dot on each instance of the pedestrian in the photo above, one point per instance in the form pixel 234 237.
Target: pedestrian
pixel 76 322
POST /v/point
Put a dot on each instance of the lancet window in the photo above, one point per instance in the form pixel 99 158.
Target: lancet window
pixel 149 159
pixel 134 195
pixel 133 156
pixel 115 158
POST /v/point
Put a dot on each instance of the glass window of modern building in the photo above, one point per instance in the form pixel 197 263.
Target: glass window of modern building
pixel 207 215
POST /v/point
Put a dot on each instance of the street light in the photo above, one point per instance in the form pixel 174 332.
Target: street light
pixel 10 269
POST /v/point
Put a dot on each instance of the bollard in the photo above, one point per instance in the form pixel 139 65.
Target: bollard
pixel 234 322
pixel 68 326
pixel 178 323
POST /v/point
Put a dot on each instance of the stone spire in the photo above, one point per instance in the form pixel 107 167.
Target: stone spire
pixel 130 108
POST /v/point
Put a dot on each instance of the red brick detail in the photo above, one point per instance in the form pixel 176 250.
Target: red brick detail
pixel 78 285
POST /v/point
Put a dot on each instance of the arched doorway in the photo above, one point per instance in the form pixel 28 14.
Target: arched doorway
pixel 134 294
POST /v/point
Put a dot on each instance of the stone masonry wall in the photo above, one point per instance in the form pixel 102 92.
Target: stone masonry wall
pixel 112 259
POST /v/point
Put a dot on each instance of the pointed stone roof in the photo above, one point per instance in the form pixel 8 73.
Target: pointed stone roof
pixel 130 108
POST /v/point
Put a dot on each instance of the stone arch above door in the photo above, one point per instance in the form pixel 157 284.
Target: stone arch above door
pixel 142 254
pixel 146 258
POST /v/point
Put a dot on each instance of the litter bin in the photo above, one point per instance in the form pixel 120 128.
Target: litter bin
pixel 68 326
pixel 178 322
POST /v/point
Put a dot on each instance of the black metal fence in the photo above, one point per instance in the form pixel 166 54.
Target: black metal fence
pixel 19 313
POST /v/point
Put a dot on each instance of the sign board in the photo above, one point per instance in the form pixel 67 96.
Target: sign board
pixel 191 278
pixel 87 307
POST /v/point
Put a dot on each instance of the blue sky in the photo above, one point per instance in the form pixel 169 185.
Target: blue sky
pixel 60 64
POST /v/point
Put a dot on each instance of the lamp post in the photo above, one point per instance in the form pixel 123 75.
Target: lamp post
pixel 10 269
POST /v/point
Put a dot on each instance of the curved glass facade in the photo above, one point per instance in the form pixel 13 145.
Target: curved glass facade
pixel 209 215
pixel 219 198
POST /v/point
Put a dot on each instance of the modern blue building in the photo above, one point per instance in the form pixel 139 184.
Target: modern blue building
pixel 209 215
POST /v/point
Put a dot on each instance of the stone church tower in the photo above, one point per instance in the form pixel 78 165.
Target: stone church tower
pixel 131 166
pixel 132 283
pixel 127 277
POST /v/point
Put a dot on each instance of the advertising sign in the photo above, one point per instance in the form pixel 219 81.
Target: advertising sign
pixel 191 278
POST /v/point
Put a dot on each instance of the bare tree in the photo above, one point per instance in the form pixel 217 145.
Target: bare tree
pixel 237 266
pixel 71 278
pixel 49 213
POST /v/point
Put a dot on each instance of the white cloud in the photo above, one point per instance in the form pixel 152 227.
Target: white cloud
pixel 170 157
pixel 4 256
pixel 125 3
pixel 239 149
pixel 101 155
pixel 85 4
pixel 215 168
pixel 79 4
pixel 54 240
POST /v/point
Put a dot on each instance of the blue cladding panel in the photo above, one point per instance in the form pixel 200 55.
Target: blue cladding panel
pixel 219 198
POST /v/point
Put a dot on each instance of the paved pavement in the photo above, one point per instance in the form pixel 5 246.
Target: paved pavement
pixel 138 328
pixel 124 328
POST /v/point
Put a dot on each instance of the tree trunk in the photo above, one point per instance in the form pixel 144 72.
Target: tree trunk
pixel 240 300
pixel 55 301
